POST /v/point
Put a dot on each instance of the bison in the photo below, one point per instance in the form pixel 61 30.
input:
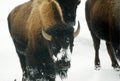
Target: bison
pixel 103 18
pixel 42 39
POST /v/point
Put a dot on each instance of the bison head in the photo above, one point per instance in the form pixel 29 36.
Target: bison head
pixel 69 10
pixel 60 44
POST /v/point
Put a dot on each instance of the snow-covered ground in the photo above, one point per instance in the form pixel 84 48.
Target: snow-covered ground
pixel 82 64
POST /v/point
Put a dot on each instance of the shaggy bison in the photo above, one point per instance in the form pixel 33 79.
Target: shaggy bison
pixel 42 39
pixel 103 19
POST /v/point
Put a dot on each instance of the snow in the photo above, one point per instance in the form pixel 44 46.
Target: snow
pixel 82 63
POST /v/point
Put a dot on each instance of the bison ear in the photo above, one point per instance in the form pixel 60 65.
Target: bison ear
pixel 46 36
pixel 77 31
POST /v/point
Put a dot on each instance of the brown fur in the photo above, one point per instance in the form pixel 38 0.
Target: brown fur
pixel 26 16
pixel 26 22
pixel 69 9
pixel 103 18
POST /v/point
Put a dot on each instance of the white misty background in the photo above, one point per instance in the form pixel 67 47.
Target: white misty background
pixel 82 64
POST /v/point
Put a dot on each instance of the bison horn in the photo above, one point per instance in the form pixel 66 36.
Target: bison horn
pixel 46 36
pixel 77 31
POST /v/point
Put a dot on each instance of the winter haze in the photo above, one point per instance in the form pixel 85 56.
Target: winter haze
pixel 82 64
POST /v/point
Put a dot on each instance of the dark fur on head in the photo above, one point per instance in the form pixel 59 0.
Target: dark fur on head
pixel 62 38
pixel 62 33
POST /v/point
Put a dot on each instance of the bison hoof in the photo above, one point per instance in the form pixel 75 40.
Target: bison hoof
pixel 42 79
pixel 97 67
pixel 117 68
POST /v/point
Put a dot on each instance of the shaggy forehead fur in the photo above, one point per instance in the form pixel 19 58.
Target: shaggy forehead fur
pixel 52 8
pixel 48 13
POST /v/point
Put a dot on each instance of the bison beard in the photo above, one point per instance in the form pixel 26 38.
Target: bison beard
pixel 62 62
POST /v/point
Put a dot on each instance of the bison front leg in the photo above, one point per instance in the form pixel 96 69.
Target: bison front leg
pixel 96 42
pixel 111 52
pixel 38 73
pixel 20 49
pixel 39 69
pixel 33 70
pixel 34 74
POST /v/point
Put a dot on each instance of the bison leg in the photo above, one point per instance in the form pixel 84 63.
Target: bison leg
pixel 115 64
pixel 20 49
pixel 23 63
pixel 96 42
pixel 39 69
pixel 38 73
